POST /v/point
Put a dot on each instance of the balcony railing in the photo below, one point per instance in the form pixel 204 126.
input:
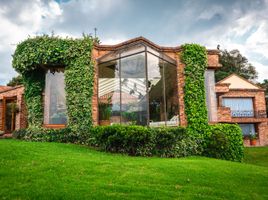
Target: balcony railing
pixel 249 113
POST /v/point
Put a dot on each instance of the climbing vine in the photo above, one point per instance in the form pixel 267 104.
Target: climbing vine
pixel 35 54
pixel 195 59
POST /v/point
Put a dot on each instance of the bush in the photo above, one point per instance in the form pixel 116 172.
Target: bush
pixel 132 140
pixel 46 135
pixel 144 141
pixel 175 142
pixel 19 134
pixel 224 141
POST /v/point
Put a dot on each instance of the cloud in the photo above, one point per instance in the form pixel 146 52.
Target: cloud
pixel 236 24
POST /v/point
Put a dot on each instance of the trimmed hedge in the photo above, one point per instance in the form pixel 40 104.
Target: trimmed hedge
pixel 224 141
pixel 131 140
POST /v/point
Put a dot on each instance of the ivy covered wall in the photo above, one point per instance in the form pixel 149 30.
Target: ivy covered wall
pixel 194 57
pixel 33 55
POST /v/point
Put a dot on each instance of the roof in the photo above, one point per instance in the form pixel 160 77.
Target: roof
pixel 3 88
pixel 147 42
pixel 238 82
pixel 10 88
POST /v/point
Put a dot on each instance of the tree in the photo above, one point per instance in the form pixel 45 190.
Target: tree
pixel 234 62
pixel 15 81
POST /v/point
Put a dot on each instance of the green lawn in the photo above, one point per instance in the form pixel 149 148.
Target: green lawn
pixel 257 156
pixel 31 170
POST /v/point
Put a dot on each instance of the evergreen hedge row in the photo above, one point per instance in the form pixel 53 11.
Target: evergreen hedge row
pixel 223 141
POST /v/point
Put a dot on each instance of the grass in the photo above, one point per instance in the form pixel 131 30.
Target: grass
pixel 257 156
pixel 32 170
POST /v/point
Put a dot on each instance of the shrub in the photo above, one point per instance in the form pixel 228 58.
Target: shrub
pixel 224 141
pixel 144 141
pixel 133 140
pixel 19 134
pixel 175 142
pixel 46 135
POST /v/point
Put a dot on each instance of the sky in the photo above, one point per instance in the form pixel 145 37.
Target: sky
pixel 233 24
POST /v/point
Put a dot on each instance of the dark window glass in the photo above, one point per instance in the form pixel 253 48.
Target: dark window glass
pixel 171 93
pixel 156 92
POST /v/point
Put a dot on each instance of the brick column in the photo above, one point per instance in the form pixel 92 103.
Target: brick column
pixel 181 79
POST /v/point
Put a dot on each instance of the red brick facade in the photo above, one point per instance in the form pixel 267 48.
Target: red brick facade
pixel 260 117
pixel 173 52
pixel 15 93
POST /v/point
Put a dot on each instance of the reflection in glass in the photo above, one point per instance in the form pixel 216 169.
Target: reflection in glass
pixel 156 92
pixel 109 93
pixel 171 91
pixel 138 88
pixel 55 102
pixel 133 90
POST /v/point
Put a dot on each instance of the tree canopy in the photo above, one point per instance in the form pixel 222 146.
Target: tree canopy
pixel 234 62
pixel 17 80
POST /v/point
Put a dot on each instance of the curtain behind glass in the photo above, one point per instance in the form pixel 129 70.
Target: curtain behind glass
pixel 55 101
pixel 240 107
pixel 247 129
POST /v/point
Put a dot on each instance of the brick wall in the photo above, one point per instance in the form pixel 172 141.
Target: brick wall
pixel 259 120
pixel 99 51
pixel 222 88
pixel 21 116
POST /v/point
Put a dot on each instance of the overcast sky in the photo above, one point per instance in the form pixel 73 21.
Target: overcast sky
pixel 241 24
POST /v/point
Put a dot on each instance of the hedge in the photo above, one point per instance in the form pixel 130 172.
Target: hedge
pixel 131 140
pixel 223 141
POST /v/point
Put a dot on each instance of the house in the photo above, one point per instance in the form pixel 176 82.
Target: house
pixel 13 113
pixel 135 82
pixel 242 102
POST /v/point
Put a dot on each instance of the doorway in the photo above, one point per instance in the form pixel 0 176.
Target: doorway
pixel 9 114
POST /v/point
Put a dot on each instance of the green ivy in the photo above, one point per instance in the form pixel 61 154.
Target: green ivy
pixel 33 54
pixel 34 84
pixel 194 57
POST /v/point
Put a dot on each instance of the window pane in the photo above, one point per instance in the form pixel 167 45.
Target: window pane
pixel 240 107
pixel 122 52
pixel 161 55
pixel 109 93
pixel 133 90
pixel 55 102
pixel 247 129
pixel 171 93
pixel 156 92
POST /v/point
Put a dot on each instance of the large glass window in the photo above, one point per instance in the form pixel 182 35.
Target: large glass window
pixel 55 102
pixel 138 87
pixel 240 107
